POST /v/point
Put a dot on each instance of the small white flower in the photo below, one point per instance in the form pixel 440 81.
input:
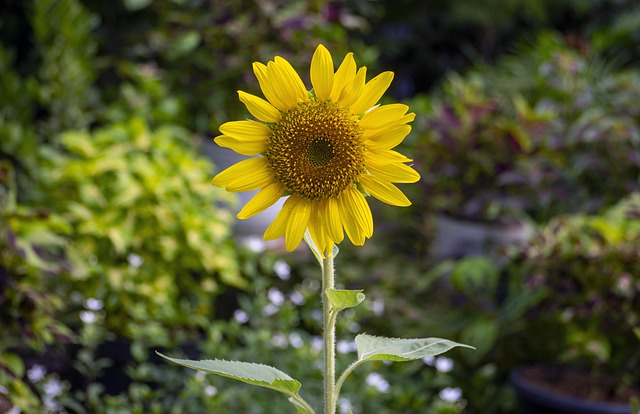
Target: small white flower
pixel 297 298
pixel 241 316
pixel 450 394
pixel 36 373
pixel 53 388
pixel 317 343
pixel 210 390
pixel 134 260
pixel 345 406
pixel 429 360
pixel 295 340
pixel 279 341
pixel 377 307
pixel 200 375
pixel 275 296
pixel 93 304
pixel 88 317
pixel 282 269
pixel 255 244
pixel 344 347
pixel 270 309
pixel 378 382
pixel 444 364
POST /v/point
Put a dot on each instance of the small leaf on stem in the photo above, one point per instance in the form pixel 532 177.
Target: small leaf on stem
pixel 343 299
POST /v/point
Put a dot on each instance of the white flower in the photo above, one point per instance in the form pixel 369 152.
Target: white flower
pixel 36 373
pixel 282 269
pixel 450 394
pixel 378 382
pixel 53 388
pixel 134 260
pixel 241 316
pixel 444 364
pixel 275 296
pixel 297 298
pixel 88 317
pixel 295 340
pixel 210 390
pixel 93 304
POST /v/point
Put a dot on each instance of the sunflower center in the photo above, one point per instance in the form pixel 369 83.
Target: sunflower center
pixel 320 152
pixel 316 150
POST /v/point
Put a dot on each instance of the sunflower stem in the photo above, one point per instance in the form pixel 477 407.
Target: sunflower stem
pixel 329 322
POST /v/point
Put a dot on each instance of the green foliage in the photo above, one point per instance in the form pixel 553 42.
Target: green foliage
pixel 547 131
pixel 62 32
pixel 148 239
pixel 468 153
pixel 590 263
pixel 251 373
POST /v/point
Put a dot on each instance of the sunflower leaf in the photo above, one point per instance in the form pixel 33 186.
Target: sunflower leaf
pixel 250 373
pixel 344 299
pixel 376 348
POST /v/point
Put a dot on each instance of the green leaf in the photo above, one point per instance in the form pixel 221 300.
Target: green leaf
pixel 250 373
pixel 376 348
pixel 344 299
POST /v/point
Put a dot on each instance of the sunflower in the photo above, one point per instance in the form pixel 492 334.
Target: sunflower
pixel 324 149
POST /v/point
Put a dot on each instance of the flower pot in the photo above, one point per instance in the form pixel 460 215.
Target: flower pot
pixel 545 389
pixel 456 238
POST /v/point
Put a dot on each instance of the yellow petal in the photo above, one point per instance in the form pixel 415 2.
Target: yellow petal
pixel 322 73
pixel 355 215
pixel 245 130
pixel 279 225
pixel 297 223
pixel 395 173
pixel 386 138
pixel 267 86
pixel 383 116
pixel 374 156
pixel 384 191
pixel 318 234
pixel 248 174
pixel 260 108
pixel 264 199
pixel 345 73
pixel 331 213
pixel 373 91
pixel 288 84
pixel 242 147
pixel 353 90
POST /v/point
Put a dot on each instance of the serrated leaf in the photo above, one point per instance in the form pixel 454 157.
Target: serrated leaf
pixel 343 299
pixel 376 348
pixel 250 373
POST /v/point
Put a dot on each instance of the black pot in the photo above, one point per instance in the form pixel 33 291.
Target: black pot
pixel 533 399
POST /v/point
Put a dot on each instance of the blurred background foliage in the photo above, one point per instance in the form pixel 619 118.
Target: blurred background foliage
pixel 114 244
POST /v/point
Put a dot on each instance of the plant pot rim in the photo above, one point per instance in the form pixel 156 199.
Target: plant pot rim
pixel 561 402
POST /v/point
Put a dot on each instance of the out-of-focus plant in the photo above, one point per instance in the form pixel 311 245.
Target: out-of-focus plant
pixel 202 51
pixel 584 126
pixel 546 132
pixel 32 244
pixel 147 241
pixel 469 152
pixel 589 265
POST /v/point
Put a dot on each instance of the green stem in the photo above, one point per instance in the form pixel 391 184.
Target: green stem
pixel 345 374
pixel 329 319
